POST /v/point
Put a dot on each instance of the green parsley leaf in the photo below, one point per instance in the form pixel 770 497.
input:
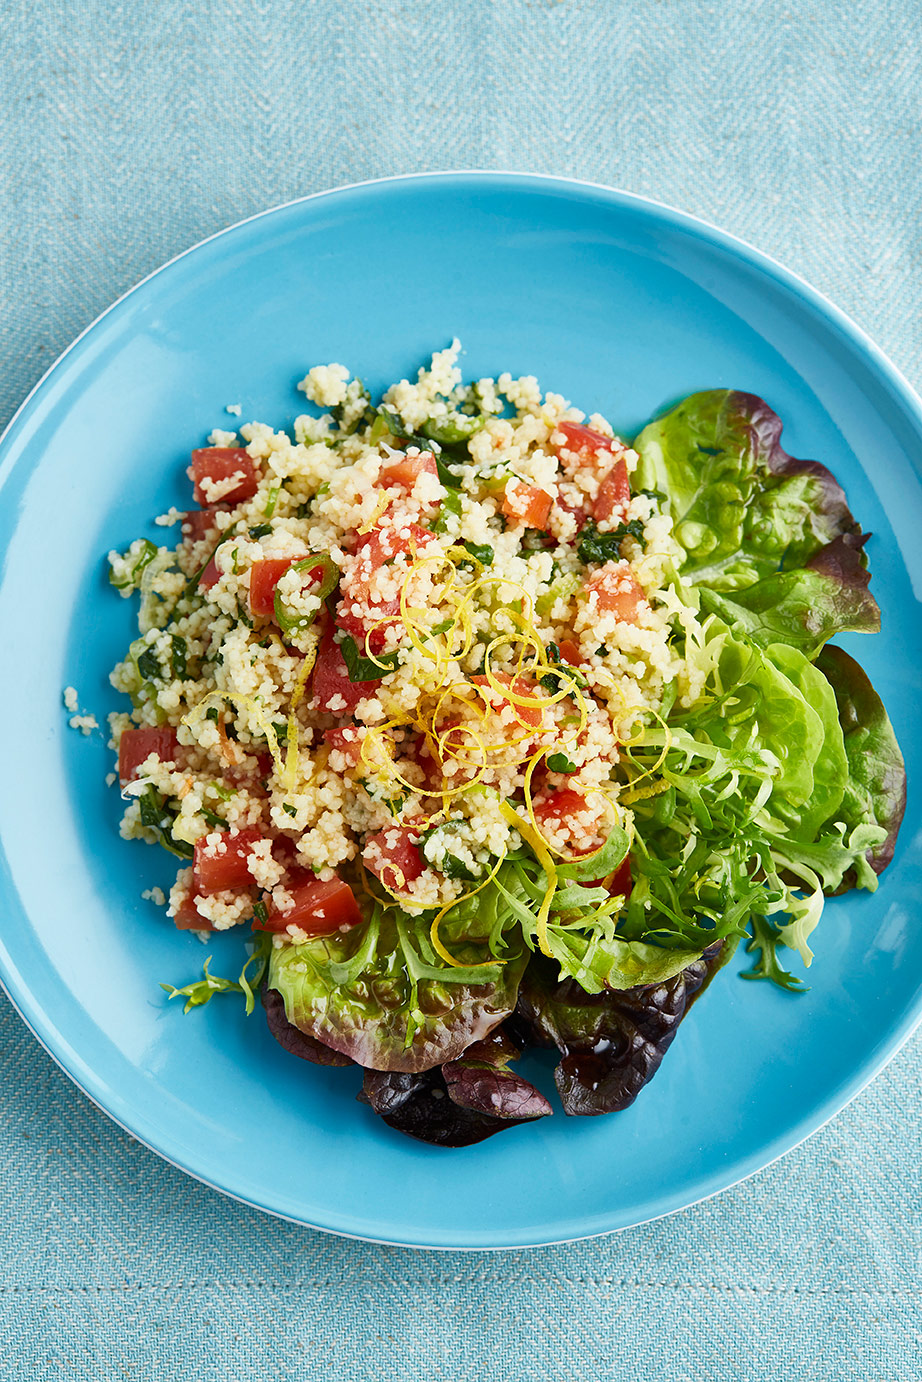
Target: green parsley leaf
pixel 601 547
pixel 361 668
pixel 560 763
pixel 480 552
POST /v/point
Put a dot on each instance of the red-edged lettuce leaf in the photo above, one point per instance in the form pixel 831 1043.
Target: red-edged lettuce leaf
pixel 807 606
pixel 611 1043
pixel 743 508
pixel 379 994
pixel 876 789
pixel 460 1103
pixel 296 1042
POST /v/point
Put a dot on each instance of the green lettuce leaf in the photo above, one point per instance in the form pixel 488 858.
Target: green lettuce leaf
pixel 875 793
pixel 807 606
pixel 742 507
pixel 379 993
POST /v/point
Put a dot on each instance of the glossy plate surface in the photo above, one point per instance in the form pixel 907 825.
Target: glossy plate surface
pixel 624 307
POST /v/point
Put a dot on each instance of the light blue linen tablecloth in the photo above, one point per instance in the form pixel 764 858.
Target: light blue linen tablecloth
pixel 128 132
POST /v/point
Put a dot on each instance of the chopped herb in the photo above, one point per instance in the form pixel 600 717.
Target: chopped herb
pixel 212 713
pixel 213 818
pixel 287 806
pixel 443 627
pixel 560 763
pixel 480 552
pixel 261 529
pixel 149 665
pixel 225 793
pixel 447 478
pixel 157 816
pixel 449 507
pixel 362 668
pixel 178 655
pixel 303 510
pixel 145 557
pixel 390 423
pixel 260 912
pixel 601 547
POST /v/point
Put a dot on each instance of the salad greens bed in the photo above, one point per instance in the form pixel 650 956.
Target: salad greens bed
pixel 782 785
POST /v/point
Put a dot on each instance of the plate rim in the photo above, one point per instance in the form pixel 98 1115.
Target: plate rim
pixel 53 1041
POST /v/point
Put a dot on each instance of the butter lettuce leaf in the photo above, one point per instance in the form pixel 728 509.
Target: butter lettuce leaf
pixel 379 993
pixel 807 606
pixel 742 507
pixel 875 793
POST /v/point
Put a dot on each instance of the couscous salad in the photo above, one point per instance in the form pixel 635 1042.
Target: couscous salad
pixel 492 730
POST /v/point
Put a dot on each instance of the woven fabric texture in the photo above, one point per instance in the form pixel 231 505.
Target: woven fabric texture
pixel 129 131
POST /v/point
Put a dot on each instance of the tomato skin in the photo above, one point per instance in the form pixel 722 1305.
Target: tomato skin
pixel 574 510
pixel 211 575
pixel 570 652
pixel 393 856
pixel 614 494
pixel 135 745
pixel 372 551
pixel 330 679
pixel 198 523
pixel 382 544
pixel 531 715
pixel 408 469
pixel 216 463
pixel 345 741
pixel 585 446
pixel 621 880
pixel 560 805
pixel 317 908
pixel 528 505
pixel 223 867
pixel 615 589
pixel 188 918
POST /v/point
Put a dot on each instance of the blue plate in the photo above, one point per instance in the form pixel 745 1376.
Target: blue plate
pixel 619 304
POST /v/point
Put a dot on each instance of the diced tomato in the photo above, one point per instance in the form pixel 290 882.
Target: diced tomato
pixel 383 544
pixel 570 652
pixel 621 880
pixel 223 866
pixel 188 917
pixel 317 908
pixel 217 463
pixel 211 575
pixel 331 679
pixel 265 576
pixel 527 504
pixel 583 447
pixel 136 744
pixel 374 550
pixel 614 494
pixel 346 741
pixel 197 523
pixel 393 856
pixel 369 635
pixel 408 469
pixel 615 589
pixel 560 806
pixel 575 510
pixel 527 714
